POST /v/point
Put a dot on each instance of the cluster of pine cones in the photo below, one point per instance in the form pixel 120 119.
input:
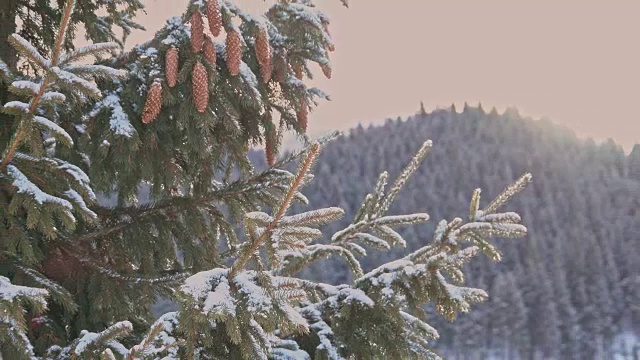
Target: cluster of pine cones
pixel 203 43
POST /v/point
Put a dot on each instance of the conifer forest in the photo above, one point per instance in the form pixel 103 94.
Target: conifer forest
pixel 150 207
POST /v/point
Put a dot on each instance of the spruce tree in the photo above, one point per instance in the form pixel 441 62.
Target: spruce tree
pixel 508 317
pixel 175 117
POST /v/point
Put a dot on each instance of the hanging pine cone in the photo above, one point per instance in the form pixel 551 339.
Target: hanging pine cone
pixel 298 70
pixel 265 72
pixel 303 117
pixel 270 147
pixel 60 265
pixel 263 54
pixel 331 47
pixel 197 31
pixel 326 70
pixel 214 16
pixel 200 89
pixel 234 52
pixel 171 66
pixel 280 67
pixel 153 104
pixel 209 51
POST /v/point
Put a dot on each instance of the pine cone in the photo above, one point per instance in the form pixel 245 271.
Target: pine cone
pixel 331 47
pixel 200 84
pixel 234 52
pixel 59 265
pixel 326 70
pixel 263 54
pixel 210 51
pixel 171 66
pixel 214 16
pixel 197 31
pixel 269 148
pixel 280 67
pixel 153 104
pixel 298 70
pixel 303 117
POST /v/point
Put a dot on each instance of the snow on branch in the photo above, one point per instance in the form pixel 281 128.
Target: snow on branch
pixel 89 340
pixel 75 197
pixel 414 164
pixel 10 292
pixel 159 339
pixel 97 71
pixel 315 217
pixel 24 47
pixel 5 73
pixel 409 219
pixel 78 175
pixel 119 122
pixel 58 132
pixel 16 107
pixel 508 193
pixel 76 82
pixel 461 296
pixel 25 186
pixel 93 49
pixel 53 97
pixel 27 86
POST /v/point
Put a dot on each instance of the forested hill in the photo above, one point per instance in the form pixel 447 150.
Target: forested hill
pixel 568 287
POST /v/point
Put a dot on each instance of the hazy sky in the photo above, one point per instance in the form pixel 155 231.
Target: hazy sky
pixel 574 61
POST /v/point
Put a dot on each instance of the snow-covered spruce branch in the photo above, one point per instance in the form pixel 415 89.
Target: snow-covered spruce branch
pixel 445 254
pixel 35 120
pixel 55 74
pixel 14 302
pixel 371 227
pixel 257 241
pixel 266 186
pixel 389 297
pixel 91 342
pixel 394 293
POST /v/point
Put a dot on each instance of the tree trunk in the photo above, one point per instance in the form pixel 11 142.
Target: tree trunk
pixel 8 11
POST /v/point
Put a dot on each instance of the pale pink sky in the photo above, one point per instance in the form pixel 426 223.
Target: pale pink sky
pixel 574 61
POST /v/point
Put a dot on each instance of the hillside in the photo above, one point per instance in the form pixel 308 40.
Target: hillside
pixel 563 292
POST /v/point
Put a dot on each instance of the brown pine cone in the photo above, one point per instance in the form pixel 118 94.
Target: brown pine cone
pixel 269 148
pixel 197 31
pixel 153 104
pixel 280 67
pixel 200 87
pixel 60 265
pixel 214 16
pixel 234 52
pixel 171 66
pixel 210 51
pixel 303 117
pixel 263 54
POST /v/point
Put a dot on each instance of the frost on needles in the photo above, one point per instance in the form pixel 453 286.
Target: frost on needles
pixel 78 277
pixel 379 316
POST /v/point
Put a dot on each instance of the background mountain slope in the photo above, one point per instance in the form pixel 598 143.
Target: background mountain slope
pixel 567 289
